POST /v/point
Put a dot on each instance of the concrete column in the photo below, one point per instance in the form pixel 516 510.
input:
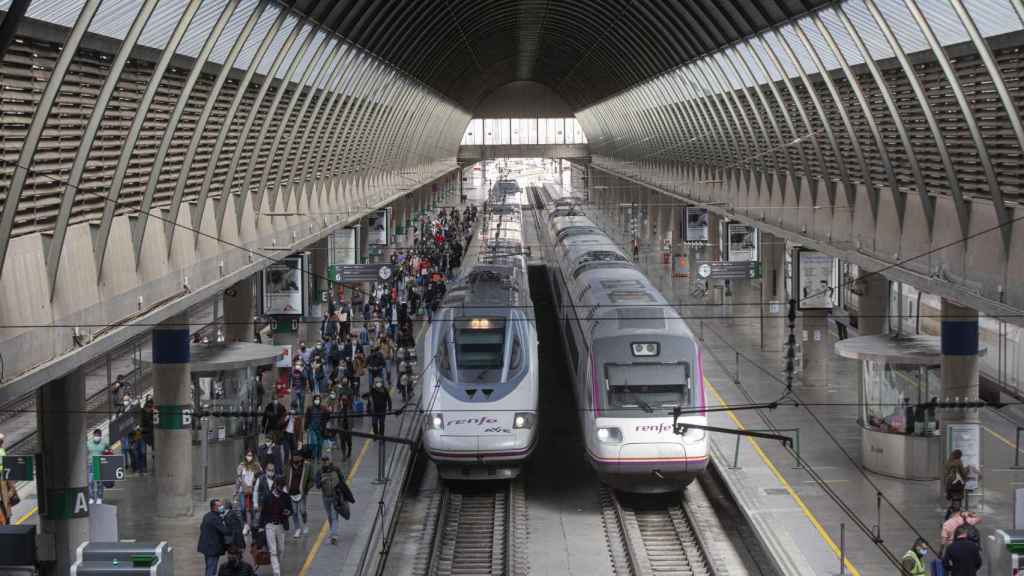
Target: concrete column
pixel 172 391
pixel 714 251
pixel 319 259
pixel 872 303
pixel 664 221
pixel 960 360
pixel 238 311
pixel 816 344
pixel 64 482
pixel 773 291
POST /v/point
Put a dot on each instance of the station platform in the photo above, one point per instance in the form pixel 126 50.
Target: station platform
pixel 311 553
pixel 809 517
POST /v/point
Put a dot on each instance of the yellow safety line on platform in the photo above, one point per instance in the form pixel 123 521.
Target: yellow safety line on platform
pixel 27 515
pixel 323 529
pixel 785 484
pixel 1000 437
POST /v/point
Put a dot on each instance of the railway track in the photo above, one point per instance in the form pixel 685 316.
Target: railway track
pixel 478 531
pixel 655 540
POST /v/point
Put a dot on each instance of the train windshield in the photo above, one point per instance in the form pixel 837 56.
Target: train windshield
pixel 647 387
pixel 480 346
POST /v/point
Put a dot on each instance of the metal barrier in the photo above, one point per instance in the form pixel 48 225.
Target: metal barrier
pixel 123 559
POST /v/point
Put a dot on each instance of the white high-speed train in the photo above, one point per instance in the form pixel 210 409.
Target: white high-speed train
pixel 632 357
pixel 481 380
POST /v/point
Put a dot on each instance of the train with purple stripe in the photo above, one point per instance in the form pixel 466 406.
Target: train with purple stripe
pixel 633 359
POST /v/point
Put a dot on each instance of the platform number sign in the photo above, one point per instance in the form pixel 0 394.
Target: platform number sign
pixel 173 417
pixel 18 468
pixel 108 468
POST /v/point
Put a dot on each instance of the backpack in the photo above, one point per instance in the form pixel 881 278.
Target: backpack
pixel 954 481
pixel 329 482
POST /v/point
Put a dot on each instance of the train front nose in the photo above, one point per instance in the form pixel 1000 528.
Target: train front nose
pixel 650 467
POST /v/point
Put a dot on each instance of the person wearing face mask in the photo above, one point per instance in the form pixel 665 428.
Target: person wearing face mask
pixel 276 509
pixel 214 536
pixel 332 487
pixel 95 447
pixel 245 482
pixel 380 405
pixel 315 421
pixel 299 480
pixel 912 562
pixel 263 486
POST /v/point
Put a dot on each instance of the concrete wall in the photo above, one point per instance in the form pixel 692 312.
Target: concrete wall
pixel 38 339
pixel 978 273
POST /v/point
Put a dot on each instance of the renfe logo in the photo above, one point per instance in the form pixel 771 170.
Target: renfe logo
pixel 481 421
pixel 659 428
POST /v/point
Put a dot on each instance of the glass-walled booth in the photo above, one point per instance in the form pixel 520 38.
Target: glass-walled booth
pixel 225 383
pixel 899 376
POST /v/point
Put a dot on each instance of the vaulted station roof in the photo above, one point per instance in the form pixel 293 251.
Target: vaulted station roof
pixel 584 49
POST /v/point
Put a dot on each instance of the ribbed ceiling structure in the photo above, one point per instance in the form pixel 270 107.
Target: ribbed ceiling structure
pixel 584 49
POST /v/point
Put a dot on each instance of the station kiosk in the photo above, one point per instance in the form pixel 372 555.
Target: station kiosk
pixel 899 437
pixel 225 382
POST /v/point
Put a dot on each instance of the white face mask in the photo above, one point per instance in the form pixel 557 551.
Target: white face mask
pixel 248 458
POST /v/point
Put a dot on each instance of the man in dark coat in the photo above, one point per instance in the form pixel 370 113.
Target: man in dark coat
pixel 235 566
pixel 963 556
pixel 214 536
pixel 235 524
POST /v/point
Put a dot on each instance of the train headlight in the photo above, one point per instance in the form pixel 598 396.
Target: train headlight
pixel 609 435
pixel 436 422
pixel 693 435
pixel 523 420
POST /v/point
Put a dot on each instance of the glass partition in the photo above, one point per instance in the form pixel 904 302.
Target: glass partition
pixel 497 131
pixel 894 396
pixel 230 393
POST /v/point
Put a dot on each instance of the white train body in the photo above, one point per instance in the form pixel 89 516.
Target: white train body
pixel 633 359
pixel 481 381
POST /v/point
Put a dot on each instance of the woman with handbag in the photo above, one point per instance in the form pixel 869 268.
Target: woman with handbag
pixel 246 474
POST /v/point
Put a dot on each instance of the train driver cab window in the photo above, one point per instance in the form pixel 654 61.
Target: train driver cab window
pixel 444 361
pixel 647 387
pixel 480 349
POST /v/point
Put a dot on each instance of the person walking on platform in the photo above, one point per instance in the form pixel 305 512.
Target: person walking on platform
pixel 955 481
pixel 146 421
pixel 912 562
pixel 246 474
pixel 315 421
pixel 95 447
pixel 263 486
pixel 236 526
pixel 276 509
pixel 962 557
pixel 380 405
pixel 328 480
pixel 236 566
pixel 214 536
pixel 275 416
pixel 968 519
pixel 299 477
